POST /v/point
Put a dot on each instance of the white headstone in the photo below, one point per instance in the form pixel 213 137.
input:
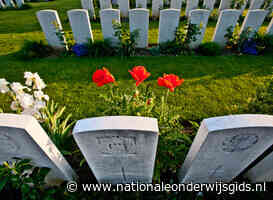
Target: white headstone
pixel 20 3
pixel 168 23
pixel 177 4
pixel 119 149
pixel 254 19
pixel 80 24
pixel 89 5
pixel 225 4
pixel 124 7
pixel 2 5
pixel 9 3
pixel 141 3
pixel 155 8
pixel 104 4
pixel 228 17
pixel 191 5
pixel 270 28
pixel 256 4
pixel 107 17
pixel 226 146
pixel 139 20
pixel 21 136
pixel 49 19
pixel 200 18
pixel 209 4
pixel 161 3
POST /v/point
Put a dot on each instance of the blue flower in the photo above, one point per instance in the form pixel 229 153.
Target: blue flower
pixel 80 49
pixel 250 47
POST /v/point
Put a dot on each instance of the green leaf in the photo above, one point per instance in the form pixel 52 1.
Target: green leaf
pixel 3 183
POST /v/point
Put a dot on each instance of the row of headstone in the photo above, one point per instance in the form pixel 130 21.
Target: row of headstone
pixel 11 3
pixel 139 20
pixel 158 5
pixel 228 18
pixel 122 149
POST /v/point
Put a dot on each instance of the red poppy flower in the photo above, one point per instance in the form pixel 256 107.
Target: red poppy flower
pixel 139 73
pixel 102 77
pixel 170 81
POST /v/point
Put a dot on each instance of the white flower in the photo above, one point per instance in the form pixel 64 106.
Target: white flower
pixel 4 85
pixel 46 97
pixel 17 88
pixel 14 106
pixel 39 94
pixel 38 82
pixel 29 78
pixel 39 105
pixel 26 100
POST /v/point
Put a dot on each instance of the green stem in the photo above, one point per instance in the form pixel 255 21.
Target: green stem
pixel 165 103
pixel 111 91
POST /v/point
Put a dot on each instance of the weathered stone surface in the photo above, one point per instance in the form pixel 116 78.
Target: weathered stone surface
pixel 256 4
pixel 89 5
pixel 225 4
pixel 104 4
pixel 141 3
pixel 107 17
pixel 49 19
pixel 119 149
pixel 124 7
pixel 191 5
pixel 139 20
pixel 176 4
pixel 270 28
pixel 80 24
pixel 209 4
pixel 168 23
pixel 200 18
pixel 253 20
pixel 225 146
pixel 21 136
pixel 228 17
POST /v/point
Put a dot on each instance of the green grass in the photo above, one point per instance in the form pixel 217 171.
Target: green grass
pixel 213 85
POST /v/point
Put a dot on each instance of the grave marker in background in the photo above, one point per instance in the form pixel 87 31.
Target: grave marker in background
pixel 107 18
pixel 89 5
pixel 200 18
pixel 168 23
pixel 228 18
pixel 51 24
pixel 139 20
pixel 80 24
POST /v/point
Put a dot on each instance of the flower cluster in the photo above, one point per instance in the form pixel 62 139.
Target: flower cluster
pixel 139 73
pixel 28 99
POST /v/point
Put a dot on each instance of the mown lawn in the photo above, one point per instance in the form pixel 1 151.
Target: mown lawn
pixel 213 85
